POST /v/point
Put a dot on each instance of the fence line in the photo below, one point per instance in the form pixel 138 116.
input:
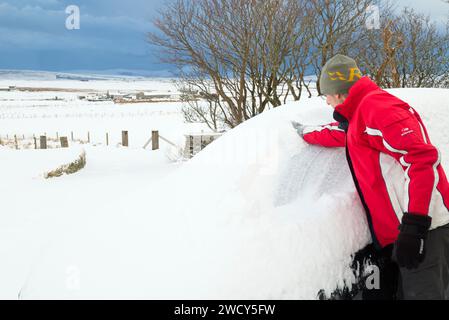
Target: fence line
pixel 44 142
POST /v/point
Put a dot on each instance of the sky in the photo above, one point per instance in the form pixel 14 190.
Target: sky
pixel 112 34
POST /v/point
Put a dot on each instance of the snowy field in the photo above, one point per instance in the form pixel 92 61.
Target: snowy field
pixel 257 215
pixel 34 112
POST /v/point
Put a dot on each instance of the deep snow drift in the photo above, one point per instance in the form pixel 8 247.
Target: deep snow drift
pixel 257 215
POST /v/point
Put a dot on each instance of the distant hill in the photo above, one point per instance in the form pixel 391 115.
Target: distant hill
pixel 82 75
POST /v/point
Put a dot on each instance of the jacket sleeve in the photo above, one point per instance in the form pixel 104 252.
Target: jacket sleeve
pixel 329 135
pixel 407 141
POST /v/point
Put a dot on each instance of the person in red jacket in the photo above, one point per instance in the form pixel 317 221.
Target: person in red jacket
pixel 408 217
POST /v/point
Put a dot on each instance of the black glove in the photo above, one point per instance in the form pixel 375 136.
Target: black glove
pixel 410 246
pixel 299 127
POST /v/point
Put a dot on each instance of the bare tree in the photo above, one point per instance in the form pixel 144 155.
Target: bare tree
pixel 239 47
pixel 337 26
pixel 408 51
pixel 424 55
pixel 202 104
pixel 377 54
pixel 297 63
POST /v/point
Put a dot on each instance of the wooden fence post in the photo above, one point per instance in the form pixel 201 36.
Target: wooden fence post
pixel 191 148
pixel 71 136
pixel 107 139
pixel 125 138
pixel 88 137
pixel 155 140
pixel 15 142
pixel 35 141
pixel 43 142
pixel 64 142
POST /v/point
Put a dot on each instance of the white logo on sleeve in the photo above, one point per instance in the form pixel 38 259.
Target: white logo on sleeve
pixel 406 131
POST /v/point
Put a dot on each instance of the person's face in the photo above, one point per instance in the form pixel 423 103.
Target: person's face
pixel 334 100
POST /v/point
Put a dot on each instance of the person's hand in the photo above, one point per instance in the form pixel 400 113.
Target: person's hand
pixel 410 249
pixel 299 127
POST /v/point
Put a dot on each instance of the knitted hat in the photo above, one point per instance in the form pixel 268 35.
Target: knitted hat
pixel 338 75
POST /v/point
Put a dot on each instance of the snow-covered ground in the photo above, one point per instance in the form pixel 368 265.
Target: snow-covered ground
pixel 37 112
pixel 257 215
pixel 37 212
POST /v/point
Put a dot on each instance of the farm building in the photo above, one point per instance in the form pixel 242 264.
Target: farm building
pixel 10 88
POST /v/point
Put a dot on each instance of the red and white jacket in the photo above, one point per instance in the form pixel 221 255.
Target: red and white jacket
pixel 379 131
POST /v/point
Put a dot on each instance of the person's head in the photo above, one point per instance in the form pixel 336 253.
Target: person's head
pixel 338 75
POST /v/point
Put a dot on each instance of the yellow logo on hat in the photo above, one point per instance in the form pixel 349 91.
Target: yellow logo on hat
pixel 353 72
pixel 336 76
